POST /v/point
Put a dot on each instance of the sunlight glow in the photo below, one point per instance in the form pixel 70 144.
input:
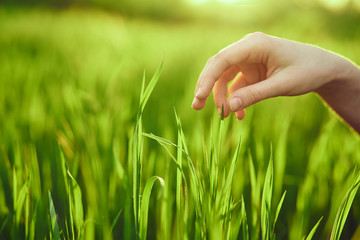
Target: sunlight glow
pixel 335 4
pixel 219 1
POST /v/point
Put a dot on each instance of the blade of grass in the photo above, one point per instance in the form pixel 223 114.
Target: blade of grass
pixel 194 177
pixel 150 87
pixel 345 208
pixel 27 204
pixel 278 209
pixel 167 205
pixel 144 210
pixel 14 188
pixel 312 232
pixel 244 220
pixel 226 189
pixel 266 200
pixel 20 200
pixel 33 222
pixel 255 197
pixel 136 171
pixel 179 213
pixel 138 145
pixel 55 230
pixel 236 224
pixel 69 215
pixel 114 222
pixel 76 201
pixel 163 142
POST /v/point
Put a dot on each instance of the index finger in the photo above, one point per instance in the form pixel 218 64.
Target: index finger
pixel 250 49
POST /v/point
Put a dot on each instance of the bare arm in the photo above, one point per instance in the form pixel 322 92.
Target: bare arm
pixel 263 66
pixel 343 95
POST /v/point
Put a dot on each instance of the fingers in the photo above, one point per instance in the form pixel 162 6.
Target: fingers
pixel 248 95
pixel 252 49
pixel 220 90
pixel 240 114
pixel 239 82
pixel 198 104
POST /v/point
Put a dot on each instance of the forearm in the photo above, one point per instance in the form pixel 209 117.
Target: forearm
pixel 343 95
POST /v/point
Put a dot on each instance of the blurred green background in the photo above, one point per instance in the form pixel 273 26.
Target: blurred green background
pixel 70 75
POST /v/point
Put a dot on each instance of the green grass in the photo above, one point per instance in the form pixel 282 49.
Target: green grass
pixel 85 135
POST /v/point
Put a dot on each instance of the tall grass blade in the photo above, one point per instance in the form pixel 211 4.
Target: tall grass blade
pixel 69 221
pixel 236 220
pixel 20 200
pixel 221 130
pixel 179 213
pixel 138 145
pixel 230 175
pixel 179 162
pixel 55 230
pixel 27 205
pixel 22 196
pixel 33 222
pixel 196 184
pixel 312 232
pixel 226 189
pixel 255 197
pixel 266 201
pixel 344 209
pixel 63 169
pixel 15 187
pixel 150 87
pixel 278 209
pixel 136 171
pixel 114 222
pixel 15 226
pixel 244 220
pixel 193 173
pixel 163 142
pixel 144 210
pixel 78 211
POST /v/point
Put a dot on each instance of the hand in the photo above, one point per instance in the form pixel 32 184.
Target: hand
pixel 263 66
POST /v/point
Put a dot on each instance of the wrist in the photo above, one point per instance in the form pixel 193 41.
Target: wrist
pixel 345 75
pixel 342 95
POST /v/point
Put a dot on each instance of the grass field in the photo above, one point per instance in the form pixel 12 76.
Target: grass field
pixel 87 153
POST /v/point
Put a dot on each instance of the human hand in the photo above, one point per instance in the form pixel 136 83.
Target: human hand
pixel 263 66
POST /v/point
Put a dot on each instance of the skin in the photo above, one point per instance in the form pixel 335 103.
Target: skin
pixel 260 66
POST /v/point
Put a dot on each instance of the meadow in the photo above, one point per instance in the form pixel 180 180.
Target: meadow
pixel 98 139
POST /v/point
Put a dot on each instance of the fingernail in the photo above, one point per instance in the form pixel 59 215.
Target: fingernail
pixel 192 105
pixel 195 101
pixel 219 111
pixel 238 117
pixel 235 104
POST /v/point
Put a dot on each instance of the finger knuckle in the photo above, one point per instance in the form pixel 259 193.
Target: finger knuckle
pixel 219 57
pixel 257 35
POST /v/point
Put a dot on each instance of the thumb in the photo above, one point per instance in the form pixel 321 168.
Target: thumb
pixel 254 93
